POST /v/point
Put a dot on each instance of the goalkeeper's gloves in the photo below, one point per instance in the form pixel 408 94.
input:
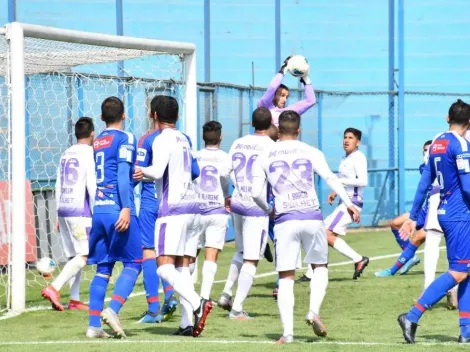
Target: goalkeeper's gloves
pixel 305 79
pixel 283 68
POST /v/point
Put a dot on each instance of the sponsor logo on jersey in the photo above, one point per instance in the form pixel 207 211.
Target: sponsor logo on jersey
pixel 439 147
pixel 103 142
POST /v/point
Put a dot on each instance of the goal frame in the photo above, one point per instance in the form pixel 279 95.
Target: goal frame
pixel 15 33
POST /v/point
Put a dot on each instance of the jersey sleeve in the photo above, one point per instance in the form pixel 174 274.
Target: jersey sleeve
pixel 161 150
pixel 427 178
pixel 462 161
pixel 58 188
pixel 259 184
pixel 266 100
pixel 302 106
pixel 225 175
pixel 91 178
pixel 360 166
pixel 126 148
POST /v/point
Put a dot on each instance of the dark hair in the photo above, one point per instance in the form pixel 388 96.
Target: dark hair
pixel 289 123
pixel 112 110
pixel 261 119
pixel 459 113
pixel 166 108
pixel 282 86
pixel 427 143
pixel 357 133
pixel 273 132
pixel 83 127
pixel 211 132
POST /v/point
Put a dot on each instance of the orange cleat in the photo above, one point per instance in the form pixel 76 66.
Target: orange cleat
pixel 51 294
pixel 77 305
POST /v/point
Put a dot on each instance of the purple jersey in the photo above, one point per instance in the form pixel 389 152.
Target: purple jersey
pixel 112 147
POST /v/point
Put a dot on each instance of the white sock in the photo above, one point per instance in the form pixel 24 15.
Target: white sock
pixel 182 285
pixel 299 261
pixel 208 274
pixel 285 302
pixel 245 281
pixel 309 272
pixel 70 270
pixel 318 286
pixel 74 284
pixel 344 248
pixel 185 306
pixel 431 256
pixel 233 273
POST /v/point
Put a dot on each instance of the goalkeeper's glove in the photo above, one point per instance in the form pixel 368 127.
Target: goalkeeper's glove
pixel 305 79
pixel 283 68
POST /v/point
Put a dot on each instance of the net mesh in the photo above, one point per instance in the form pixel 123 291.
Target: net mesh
pixel 65 81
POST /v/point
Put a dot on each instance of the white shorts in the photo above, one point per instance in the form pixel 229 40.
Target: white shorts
pixel 213 229
pixel 290 235
pixel 251 235
pixel 74 232
pixel 170 234
pixel 431 222
pixel 339 220
pixel 193 233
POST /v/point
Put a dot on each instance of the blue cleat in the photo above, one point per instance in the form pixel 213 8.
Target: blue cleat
pixel 169 307
pixel 151 318
pixel 384 273
pixel 409 264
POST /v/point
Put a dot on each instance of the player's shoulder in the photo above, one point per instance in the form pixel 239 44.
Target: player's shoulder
pixel 459 142
pixel 359 155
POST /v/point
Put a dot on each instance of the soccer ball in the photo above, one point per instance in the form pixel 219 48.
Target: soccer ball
pixel 298 65
pixel 46 266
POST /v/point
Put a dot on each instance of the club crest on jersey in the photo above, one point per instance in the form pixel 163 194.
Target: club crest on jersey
pixel 439 147
pixel 103 142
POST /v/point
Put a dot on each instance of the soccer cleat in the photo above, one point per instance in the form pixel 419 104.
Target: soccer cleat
pixel 187 331
pixel 452 300
pixel 53 296
pixel 285 339
pixel 408 328
pixel 303 278
pixel 169 307
pixel 316 323
pixel 464 339
pixel 200 316
pixel 96 333
pixel 110 318
pixel 77 305
pixel 359 267
pixel 151 318
pixel 383 273
pixel 234 315
pixel 225 302
pixel 268 254
pixel 275 291
pixel 409 264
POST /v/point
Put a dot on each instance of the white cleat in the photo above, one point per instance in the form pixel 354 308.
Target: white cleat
pixel 96 333
pixel 225 302
pixel 110 318
pixel 234 315
pixel 316 323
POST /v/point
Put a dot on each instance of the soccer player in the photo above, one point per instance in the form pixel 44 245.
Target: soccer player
pixel 449 163
pixel 75 191
pixel 115 233
pixel 288 166
pixel 273 133
pixel 171 168
pixel 249 221
pixel 353 176
pixel 275 98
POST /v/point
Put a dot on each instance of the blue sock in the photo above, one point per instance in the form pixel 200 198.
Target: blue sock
pixel 168 289
pixel 431 296
pixel 406 255
pixel 124 285
pixel 98 288
pixel 400 242
pixel 464 307
pixel 151 284
pixel 271 230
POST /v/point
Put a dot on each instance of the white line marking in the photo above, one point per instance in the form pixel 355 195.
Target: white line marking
pixel 271 273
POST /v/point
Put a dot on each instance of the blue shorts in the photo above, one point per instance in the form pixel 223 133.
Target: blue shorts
pixel 271 229
pixel 421 222
pixel 457 235
pixel 108 245
pixel 147 227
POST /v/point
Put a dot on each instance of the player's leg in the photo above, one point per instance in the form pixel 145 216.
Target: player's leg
pixel 268 255
pixel 225 300
pixel 395 225
pixel 431 255
pixel 254 240
pixel 464 310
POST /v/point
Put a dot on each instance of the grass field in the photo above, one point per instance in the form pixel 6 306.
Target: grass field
pixel 360 315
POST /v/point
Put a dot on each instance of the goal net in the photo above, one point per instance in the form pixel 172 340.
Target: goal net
pixel 48 79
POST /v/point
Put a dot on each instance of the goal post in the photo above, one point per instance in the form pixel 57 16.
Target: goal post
pixel 50 76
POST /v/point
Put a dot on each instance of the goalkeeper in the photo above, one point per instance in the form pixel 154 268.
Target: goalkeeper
pixel 275 98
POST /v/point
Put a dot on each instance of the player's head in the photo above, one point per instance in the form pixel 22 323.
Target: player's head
pixel 85 129
pixel 261 119
pixel 459 113
pixel 280 98
pixel 289 124
pixel 164 109
pixel 351 139
pixel 273 132
pixel 426 146
pixel 112 110
pixel 212 133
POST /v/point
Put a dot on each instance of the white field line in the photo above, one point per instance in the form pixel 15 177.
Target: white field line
pixel 270 273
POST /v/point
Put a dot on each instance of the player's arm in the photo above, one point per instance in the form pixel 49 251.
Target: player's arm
pixel 259 186
pixel 195 170
pixel 161 150
pixel 361 179
pixel 268 97
pixel 144 155
pixel 91 178
pixel 463 167
pixel 302 106
pixel 225 178
pixel 427 178
pixel 124 167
